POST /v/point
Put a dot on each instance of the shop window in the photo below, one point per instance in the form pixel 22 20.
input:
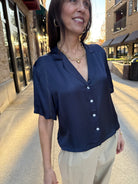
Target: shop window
pixel 117 1
pixel 16 44
pixel 130 8
pixel 1 11
pixel 5 37
pixel 135 48
pixel 25 48
pixel 12 13
pixel 135 5
pixel 111 52
pixel 122 51
pixel 120 18
pixel 22 22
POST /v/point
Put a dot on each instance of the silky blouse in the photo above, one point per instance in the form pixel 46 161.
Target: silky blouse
pixel 85 110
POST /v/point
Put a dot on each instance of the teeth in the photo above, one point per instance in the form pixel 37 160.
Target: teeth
pixel 80 20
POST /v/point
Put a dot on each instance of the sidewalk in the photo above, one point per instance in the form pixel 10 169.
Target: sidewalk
pixel 21 161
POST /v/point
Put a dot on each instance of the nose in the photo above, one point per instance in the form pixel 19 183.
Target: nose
pixel 81 6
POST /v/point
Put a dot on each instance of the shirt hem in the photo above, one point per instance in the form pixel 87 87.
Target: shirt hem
pixel 90 145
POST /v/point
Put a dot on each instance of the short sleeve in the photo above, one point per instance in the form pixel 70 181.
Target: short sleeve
pixel 43 101
pixel 111 88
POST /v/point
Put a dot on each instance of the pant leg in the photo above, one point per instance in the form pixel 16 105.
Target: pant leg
pixel 105 160
pixel 90 167
pixel 78 168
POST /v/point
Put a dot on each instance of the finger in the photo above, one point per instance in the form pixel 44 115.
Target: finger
pixel 122 146
pixel 118 147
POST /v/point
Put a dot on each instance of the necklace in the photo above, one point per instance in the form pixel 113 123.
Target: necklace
pixel 77 59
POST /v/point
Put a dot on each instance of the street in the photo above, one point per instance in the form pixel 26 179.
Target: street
pixel 20 155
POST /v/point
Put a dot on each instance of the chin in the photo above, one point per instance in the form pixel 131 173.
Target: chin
pixel 78 32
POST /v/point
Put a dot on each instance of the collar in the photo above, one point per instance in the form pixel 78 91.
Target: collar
pixel 56 54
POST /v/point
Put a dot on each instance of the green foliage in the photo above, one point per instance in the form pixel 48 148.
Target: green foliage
pixel 124 60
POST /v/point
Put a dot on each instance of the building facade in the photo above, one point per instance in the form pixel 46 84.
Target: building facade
pixel 19 45
pixel 121 28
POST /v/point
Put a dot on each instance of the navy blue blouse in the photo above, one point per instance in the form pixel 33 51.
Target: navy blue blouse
pixel 84 108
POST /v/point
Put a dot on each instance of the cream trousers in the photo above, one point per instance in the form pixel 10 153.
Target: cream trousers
pixel 89 167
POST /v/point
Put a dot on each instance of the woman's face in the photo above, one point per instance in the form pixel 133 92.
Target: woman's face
pixel 75 16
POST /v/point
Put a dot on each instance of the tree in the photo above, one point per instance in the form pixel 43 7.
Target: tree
pixel 101 40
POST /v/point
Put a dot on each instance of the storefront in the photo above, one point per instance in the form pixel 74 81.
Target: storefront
pixel 135 48
pixel 122 51
pixel 122 46
pixel 18 48
pixel 132 42
pixel 110 52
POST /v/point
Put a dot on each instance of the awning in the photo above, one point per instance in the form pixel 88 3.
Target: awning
pixel 107 43
pixel 42 11
pixel 132 37
pixel 41 20
pixel 118 40
pixel 32 4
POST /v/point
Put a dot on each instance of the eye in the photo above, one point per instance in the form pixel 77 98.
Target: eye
pixel 86 4
pixel 73 1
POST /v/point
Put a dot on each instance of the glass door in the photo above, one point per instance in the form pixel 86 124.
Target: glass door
pixel 16 46
pixel 17 53
pixel 25 47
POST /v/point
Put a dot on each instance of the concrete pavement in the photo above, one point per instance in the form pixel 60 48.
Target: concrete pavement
pixel 20 155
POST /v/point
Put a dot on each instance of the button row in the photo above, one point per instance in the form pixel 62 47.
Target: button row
pixel 94 115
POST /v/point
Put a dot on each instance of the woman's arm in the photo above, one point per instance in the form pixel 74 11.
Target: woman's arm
pixel 45 133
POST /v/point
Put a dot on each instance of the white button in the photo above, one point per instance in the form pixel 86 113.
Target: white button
pixel 94 115
pixel 97 128
pixel 91 101
pixel 88 87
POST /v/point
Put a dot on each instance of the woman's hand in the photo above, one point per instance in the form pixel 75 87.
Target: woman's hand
pixel 120 143
pixel 50 177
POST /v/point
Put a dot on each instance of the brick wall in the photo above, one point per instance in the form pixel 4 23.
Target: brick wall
pixel 109 4
pixel 131 21
pixel 120 69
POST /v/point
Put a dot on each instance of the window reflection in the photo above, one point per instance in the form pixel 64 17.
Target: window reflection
pixel 12 14
pixel 122 51
pixel 5 37
pixel 135 5
pixel 19 64
pixel 135 48
pixel 15 42
pixel 1 11
pixel 22 22
pixel 25 50
pixel 111 52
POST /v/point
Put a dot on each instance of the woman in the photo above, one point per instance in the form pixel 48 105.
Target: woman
pixel 73 82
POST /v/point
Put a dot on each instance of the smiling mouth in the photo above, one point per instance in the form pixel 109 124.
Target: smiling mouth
pixel 79 20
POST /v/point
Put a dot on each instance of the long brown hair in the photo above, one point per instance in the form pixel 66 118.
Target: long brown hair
pixel 55 23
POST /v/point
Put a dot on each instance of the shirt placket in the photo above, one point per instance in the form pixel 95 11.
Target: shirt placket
pixel 92 105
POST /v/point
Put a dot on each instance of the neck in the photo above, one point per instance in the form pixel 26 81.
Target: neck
pixel 70 43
